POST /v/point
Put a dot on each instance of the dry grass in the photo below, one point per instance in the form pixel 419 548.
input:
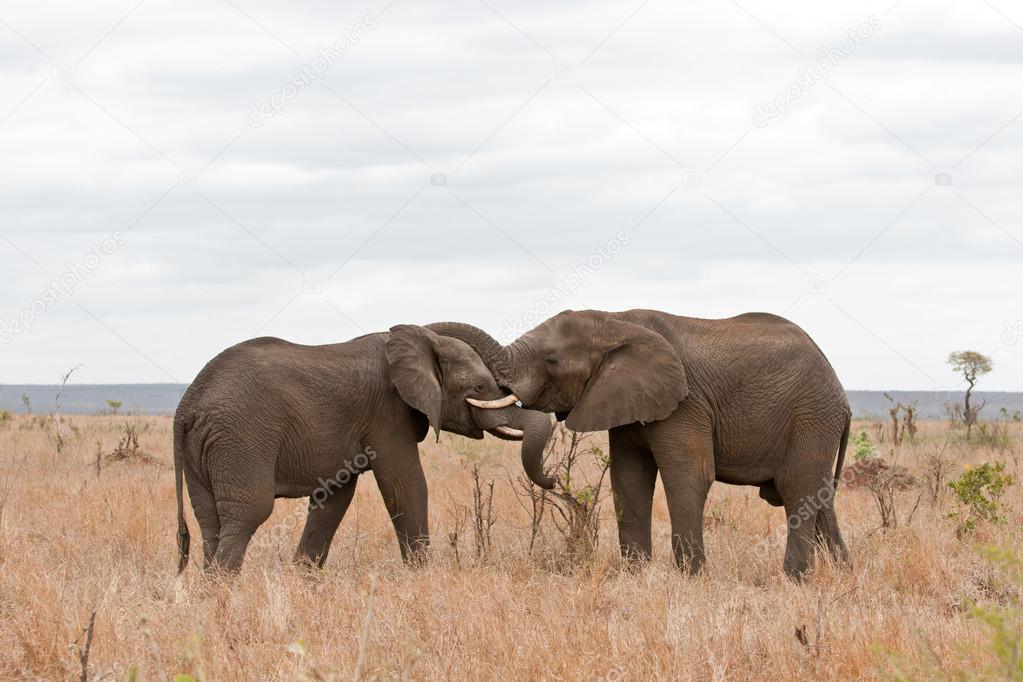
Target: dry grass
pixel 72 542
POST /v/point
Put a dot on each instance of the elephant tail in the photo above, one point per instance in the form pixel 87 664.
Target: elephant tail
pixel 843 444
pixel 180 432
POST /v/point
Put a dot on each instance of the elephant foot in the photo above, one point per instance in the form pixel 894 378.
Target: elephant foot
pixel 690 563
pixel 416 553
pixel 634 559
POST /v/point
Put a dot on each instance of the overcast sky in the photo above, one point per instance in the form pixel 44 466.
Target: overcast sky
pixel 193 174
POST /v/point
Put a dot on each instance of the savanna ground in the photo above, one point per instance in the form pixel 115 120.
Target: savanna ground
pixel 76 539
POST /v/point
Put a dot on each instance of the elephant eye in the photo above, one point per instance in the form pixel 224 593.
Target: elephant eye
pixel 480 388
pixel 551 361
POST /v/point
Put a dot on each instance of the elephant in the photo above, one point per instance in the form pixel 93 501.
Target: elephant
pixel 747 400
pixel 268 418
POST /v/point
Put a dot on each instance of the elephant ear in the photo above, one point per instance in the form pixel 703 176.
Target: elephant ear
pixel 639 379
pixel 415 370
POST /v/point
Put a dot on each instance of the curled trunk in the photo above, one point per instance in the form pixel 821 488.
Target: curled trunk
pixel 494 355
pixel 536 429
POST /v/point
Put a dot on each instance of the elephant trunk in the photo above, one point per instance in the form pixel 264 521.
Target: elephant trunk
pixel 509 364
pixel 536 430
pixel 494 355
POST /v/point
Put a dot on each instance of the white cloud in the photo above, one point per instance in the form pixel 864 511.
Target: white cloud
pixel 539 164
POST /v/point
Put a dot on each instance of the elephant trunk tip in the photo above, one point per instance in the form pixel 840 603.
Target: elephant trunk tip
pixel 545 482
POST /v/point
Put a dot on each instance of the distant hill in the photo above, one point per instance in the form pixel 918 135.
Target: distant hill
pixel 931 404
pixel 163 399
pixel 92 398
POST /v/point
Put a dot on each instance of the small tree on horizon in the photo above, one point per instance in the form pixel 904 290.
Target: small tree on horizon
pixel 972 365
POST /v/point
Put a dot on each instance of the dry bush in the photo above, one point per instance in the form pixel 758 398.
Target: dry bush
pixel 482 514
pixel 128 449
pixel 579 465
pixel 72 544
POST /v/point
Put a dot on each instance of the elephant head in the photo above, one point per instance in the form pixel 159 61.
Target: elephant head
pixel 446 380
pixel 593 370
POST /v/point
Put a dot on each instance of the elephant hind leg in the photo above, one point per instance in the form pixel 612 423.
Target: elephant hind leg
pixel 828 535
pixel 205 508
pixel 238 522
pixel 245 499
pixel 807 488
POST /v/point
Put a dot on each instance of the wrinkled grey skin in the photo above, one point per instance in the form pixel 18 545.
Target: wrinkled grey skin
pixel 749 400
pixel 268 418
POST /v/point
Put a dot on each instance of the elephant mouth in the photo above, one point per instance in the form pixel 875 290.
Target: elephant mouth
pixel 493 417
pixel 548 400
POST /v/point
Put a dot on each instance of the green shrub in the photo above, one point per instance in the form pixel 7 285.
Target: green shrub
pixel 862 447
pixel 978 491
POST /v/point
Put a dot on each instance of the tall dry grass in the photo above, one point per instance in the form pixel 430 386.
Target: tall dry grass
pixel 74 541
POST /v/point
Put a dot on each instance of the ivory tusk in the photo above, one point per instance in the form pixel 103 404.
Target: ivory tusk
pixel 493 404
pixel 509 432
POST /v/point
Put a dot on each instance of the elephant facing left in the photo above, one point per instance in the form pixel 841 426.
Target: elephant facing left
pixel 268 418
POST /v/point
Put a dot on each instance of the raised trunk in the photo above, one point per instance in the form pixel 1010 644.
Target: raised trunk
pixel 536 429
pixel 494 355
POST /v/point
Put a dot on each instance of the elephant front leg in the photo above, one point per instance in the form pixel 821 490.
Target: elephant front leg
pixel 403 487
pixel 687 497
pixel 325 514
pixel 686 464
pixel 633 476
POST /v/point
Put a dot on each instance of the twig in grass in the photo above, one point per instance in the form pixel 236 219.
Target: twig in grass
pixel 154 648
pixel 367 624
pixel 407 671
pixel 57 421
pixel 537 497
pixel 909 519
pixel 483 514
pixel 83 652
pixel 461 515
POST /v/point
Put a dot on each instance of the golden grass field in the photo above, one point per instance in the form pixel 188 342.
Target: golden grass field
pixel 74 541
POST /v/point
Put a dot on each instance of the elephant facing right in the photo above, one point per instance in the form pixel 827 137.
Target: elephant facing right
pixel 268 418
